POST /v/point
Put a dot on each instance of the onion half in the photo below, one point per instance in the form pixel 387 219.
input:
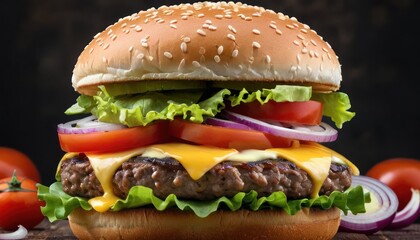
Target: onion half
pixel 87 125
pixel 379 213
pixel 20 233
pixel 409 214
pixel 320 133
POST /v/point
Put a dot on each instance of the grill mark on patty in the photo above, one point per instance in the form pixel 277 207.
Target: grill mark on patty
pixel 166 176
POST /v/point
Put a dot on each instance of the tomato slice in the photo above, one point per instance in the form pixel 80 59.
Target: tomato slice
pixel 225 137
pixel 113 141
pixel 307 112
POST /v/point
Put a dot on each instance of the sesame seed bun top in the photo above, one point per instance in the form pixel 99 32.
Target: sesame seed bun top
pixel 208 41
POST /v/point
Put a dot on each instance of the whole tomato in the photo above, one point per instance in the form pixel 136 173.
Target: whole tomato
pixel 12 159
pixel 400 174
pixel 19 204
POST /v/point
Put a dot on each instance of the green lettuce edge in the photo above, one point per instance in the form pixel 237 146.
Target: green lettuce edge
pixel 59 204
pixel 142 109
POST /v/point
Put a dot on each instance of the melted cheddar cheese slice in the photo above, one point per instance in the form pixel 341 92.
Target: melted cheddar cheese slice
pixel 314 158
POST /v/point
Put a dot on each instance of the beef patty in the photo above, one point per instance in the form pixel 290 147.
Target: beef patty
pixel 166 176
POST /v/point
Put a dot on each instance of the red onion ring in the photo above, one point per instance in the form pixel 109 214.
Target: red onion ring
pixel 409 214
pixel 371 222
pixel 226 123
pixel 87 125
pixel 321 133
pixel 20 233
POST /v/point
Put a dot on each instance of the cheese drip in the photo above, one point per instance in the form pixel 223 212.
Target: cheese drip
pixel 314 158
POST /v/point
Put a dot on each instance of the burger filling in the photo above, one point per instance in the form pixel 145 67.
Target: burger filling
pixel 167 176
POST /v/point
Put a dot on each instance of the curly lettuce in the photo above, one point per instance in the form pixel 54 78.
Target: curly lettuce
pixel 195 105
pixel 59 204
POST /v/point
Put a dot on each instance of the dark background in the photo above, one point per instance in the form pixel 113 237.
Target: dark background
pixel 377 42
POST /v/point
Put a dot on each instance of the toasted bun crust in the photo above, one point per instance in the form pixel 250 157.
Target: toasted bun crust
pixel 208 41
pixel 147 223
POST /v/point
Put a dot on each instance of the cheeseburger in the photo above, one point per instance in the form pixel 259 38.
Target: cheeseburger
pixel 204 121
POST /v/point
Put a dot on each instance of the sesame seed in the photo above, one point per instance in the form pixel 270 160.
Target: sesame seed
pixel 296 42
pixel 212 27
pixel 256 31
pixel 268 59
pixel 140 56
pixel 313 42
pixel 205 25
pixel 113 37
pixel 324 49
pixel 202 50
pixel 248 18
pixel 219 16
pixel 196 64
pixel 184 17
pixel 150 58
pixel 251 60
pixel 305 43
pixel 100 44
pixel 235 53
pixel 173 26
pixel 311 53
pixel 201 32
pixel 208 22
pixel 300 37
pixel 220 50
pixel 144 44
pixel 257 14
pixel 293 68
pixel 328 44
pixel 187 39
pixel 231 37
pixel 304 30
pixel 228 16
pixel 304 50
pixel 173 21
pixel 298 58
pixel 329 56
pixel 293 19
pixel 106 46
pixel 306 27
pixel 232 29
pixel 217 58
pixel 126 31
pixel 168 55
pixel 138 29
pixel 201 15
pixel 273 26
pixel 181 64
pixel 296 25
pixel 279 32
pixel 309 69
pixel 256 44
pixel 160 21
pixel 124 25
pixel 91 50
pixel 130 49
pixel 104 60
pixel 184 47
pixel 290 26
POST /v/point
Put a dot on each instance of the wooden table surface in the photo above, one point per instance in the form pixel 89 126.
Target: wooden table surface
pixel 60 230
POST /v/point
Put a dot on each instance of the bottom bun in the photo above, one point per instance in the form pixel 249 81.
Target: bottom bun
pixel 148 223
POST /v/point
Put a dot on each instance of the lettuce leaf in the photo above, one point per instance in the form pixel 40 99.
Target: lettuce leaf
pixel 142 109
pixel 59 204
pixel 336 105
